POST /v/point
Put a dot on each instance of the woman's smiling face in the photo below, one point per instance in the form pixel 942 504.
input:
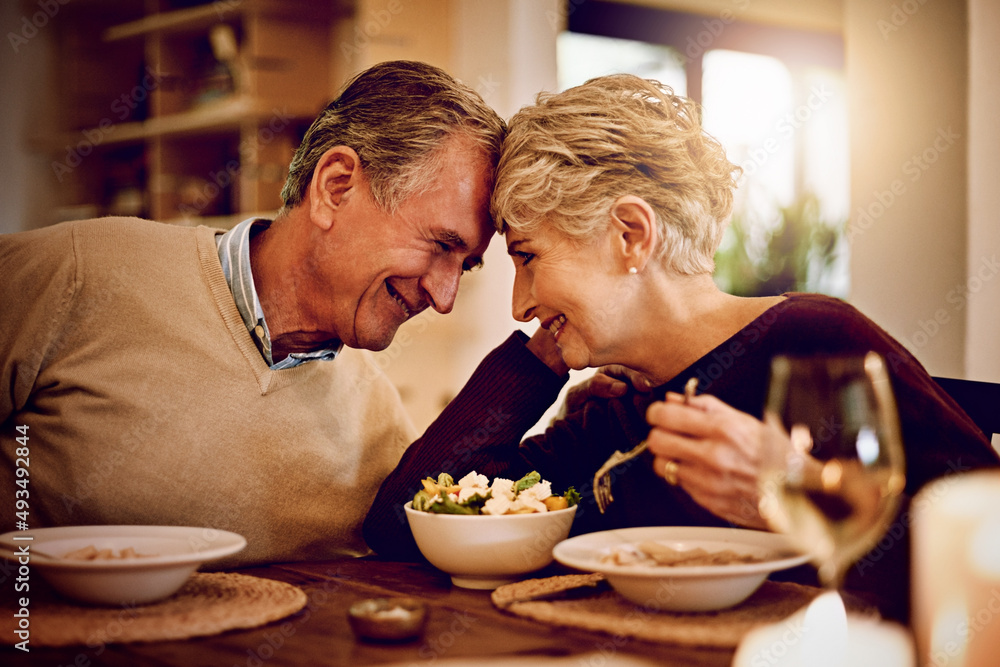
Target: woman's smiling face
pixel 574 289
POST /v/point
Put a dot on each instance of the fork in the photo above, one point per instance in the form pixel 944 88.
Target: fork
pixel 602 480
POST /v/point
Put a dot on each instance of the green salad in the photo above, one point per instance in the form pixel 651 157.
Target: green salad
pixel 475 494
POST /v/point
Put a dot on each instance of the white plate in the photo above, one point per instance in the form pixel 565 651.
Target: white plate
pixel 683 588
pixel 172 554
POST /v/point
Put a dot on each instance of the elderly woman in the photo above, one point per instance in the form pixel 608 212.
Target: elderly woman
pixel 613 201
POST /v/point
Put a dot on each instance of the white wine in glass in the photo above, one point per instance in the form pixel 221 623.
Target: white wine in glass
pixel 832 462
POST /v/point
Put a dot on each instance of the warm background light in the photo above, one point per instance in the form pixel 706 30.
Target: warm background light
pixel 918 79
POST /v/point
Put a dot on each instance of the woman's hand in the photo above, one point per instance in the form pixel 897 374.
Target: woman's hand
pixel 717 452
pixel 608 382
pixel 543 346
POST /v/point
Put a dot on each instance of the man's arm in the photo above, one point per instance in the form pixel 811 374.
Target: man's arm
pixel 37 288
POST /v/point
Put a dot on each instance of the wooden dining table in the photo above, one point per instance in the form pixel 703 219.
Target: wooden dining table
pixel 463 628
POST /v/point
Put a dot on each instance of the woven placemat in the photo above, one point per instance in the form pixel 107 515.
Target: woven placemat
pixel 608 612
pixel 209 603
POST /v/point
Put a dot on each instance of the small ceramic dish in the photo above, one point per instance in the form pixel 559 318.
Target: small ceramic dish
pixel 388 619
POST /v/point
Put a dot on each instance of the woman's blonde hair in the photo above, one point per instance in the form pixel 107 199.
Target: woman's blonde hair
pixel 569 157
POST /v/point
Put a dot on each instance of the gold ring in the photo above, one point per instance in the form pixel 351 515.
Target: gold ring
pixel 670 472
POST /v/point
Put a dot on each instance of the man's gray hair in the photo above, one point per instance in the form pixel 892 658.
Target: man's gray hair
pixel 395 116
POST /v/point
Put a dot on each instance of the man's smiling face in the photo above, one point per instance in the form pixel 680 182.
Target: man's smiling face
pixel 394 265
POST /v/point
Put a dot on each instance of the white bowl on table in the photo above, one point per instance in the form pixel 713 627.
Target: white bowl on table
pixel 485 551
pixel 170 554
pixel 679 587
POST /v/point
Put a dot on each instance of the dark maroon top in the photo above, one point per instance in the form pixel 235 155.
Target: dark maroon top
pixel 481 430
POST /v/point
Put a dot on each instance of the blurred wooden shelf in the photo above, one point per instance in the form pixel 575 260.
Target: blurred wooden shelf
pixel 178 20
pixel 226 114
pixel 198 109
pixel 203 17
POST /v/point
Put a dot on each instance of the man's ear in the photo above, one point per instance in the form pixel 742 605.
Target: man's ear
pixel 335 178
pixel 633 223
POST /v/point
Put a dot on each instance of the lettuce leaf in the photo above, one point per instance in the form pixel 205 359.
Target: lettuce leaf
pixel 473 505
pixel 526 482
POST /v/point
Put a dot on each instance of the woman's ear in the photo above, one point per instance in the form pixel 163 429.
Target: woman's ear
pixel 335 179
pixel 635 232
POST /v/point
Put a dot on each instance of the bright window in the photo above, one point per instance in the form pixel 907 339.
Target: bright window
pixel 783 122
pixel 582 57
pixel 745 100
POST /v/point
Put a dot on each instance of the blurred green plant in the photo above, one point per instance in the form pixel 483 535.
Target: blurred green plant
pixel 797 254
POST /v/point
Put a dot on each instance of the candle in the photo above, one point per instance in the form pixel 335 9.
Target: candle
pixel 956 571
pixel 823 635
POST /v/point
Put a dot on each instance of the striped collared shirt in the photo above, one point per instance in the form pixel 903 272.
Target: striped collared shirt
pixel 234 253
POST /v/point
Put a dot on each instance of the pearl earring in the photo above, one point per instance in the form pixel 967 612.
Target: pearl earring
pixel 633 270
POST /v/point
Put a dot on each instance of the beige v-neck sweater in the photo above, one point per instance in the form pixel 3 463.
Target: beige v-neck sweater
pixel 146 402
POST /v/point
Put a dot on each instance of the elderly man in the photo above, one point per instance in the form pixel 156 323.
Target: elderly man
pixel 154 374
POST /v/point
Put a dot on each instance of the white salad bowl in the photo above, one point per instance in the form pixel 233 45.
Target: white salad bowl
pixel 484 551
pixel 169 555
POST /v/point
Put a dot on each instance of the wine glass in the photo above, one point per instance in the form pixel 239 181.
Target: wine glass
pixel 832 460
